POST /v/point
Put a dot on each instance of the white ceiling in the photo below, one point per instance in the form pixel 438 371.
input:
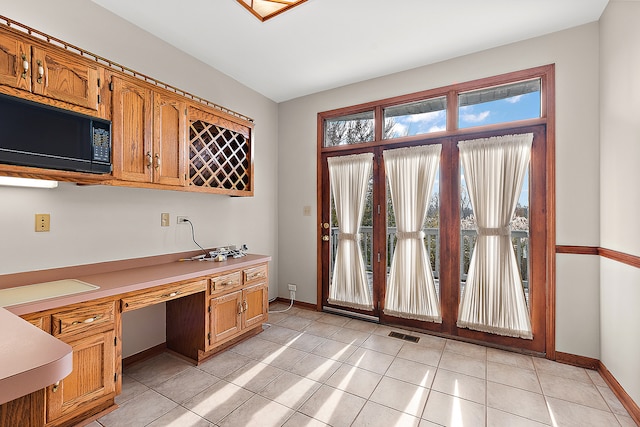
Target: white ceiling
pixel 323 44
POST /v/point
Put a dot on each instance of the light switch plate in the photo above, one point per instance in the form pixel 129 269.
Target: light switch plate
pixel 164 219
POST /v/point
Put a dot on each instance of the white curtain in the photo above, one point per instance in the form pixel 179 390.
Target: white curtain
pixel 349 177
pixel 411 291
pixel 493 299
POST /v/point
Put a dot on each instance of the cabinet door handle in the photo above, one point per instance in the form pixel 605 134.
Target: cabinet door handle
pixel 25 66
pixel 157 161
pixel 55 386
pixel 40 71
pixel 245 306
pixel 149 161
pixel 239 308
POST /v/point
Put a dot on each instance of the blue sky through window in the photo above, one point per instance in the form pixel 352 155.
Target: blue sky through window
pixel 518 107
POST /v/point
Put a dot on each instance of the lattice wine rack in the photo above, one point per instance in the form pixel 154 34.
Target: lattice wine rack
pixel 219 158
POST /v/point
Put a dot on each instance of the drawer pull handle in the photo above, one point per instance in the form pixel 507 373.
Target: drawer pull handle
pixel 172 294
pixel 230 283
pixel 88 320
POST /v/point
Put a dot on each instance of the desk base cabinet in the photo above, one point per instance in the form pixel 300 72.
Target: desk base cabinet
pixel 233 308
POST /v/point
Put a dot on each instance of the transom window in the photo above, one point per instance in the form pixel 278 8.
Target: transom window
pixel 415 118
pixel 349 129
pixel 499 104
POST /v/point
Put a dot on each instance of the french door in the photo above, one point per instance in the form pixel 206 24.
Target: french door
pixel 447 234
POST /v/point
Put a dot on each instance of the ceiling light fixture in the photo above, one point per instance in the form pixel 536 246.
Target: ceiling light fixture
pixel 266 9
pixel 27 182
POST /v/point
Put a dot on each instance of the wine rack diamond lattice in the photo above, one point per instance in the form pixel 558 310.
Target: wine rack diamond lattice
pixel 218 157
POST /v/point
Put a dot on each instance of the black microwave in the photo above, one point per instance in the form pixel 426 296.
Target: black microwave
pixel 42 136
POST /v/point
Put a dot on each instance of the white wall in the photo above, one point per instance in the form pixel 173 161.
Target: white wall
pixel 575 53
pixel 578 285
pixel 95 223
pixel 620 197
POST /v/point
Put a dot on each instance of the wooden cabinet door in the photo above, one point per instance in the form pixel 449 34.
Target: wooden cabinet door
pixel 93 376
pixel 131 131
pixel 13 53
pixel 226 317
pixel 169 140
pixel 256 304
pixel 25 411
pixel 60 76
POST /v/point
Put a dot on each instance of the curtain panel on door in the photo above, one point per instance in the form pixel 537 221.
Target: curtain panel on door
pixel 349 176
pixel 493 299
pixel 411 291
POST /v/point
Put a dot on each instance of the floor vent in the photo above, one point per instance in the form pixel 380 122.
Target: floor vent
pixel 404 336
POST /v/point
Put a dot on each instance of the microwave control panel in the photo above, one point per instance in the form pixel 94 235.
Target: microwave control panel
pixel 101 145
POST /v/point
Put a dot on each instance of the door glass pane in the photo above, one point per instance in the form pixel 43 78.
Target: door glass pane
pixel 431 229
pixel 519 233
pixel 366 236
pixel 500 104
pixel 350 129
pixel 415 118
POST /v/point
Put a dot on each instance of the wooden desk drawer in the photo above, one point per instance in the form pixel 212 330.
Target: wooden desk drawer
pixel 38 320
pixel 255 274
pixel 165 293
pixel 226 282
pixel 82 318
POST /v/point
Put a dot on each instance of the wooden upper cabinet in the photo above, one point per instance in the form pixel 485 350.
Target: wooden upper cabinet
pixel 63 77
pixel 14 55
pixel 49 72
pixel 131 130
pixel 169 139
pixel 149 134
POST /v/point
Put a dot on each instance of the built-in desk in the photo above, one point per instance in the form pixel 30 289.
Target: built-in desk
pixel 210 306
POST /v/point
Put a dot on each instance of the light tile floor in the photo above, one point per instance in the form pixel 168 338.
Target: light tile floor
pixel 317 369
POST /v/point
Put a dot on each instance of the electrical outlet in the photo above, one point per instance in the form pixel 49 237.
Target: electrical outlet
pixel 183 219
pixel 43 222
pixel 292 287
pixel 164 219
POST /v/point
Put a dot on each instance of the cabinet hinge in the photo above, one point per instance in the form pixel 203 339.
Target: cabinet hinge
pixel 98 82
pixel 115 377
pixel 209 309
pixel 99 100
pixel 111 86
pixel 378 209
pixel 185 111
pixel 115 341
pixel 378 256
pixel 378 305
pixel 209 336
